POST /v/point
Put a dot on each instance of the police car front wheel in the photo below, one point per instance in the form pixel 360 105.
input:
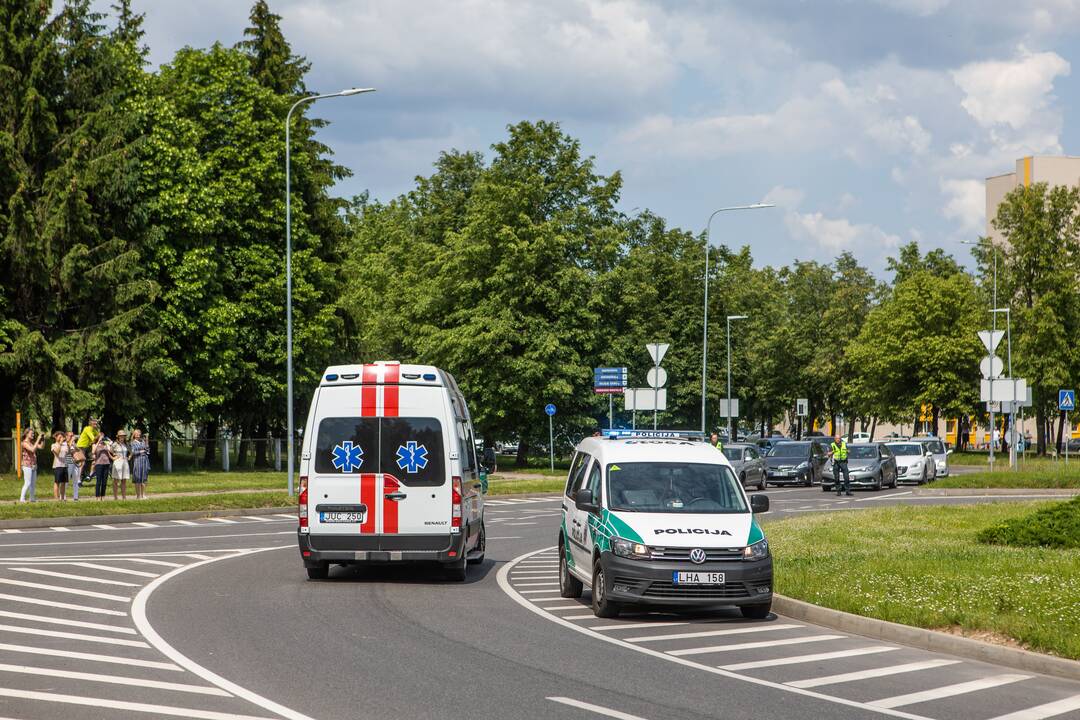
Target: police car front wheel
pixel 601 605
pixel 759 611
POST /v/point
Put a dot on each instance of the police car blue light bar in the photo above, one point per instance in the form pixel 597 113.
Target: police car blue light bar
pixel 622 433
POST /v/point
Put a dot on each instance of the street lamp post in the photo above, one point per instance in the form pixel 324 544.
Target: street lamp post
pixel 730 422
pixel 1012 407
pixel 705 328
pixel 993 329
pixel 288 266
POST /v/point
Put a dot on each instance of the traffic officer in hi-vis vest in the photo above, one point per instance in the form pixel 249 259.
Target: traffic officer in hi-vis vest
pixel 838 453
pixel 714 440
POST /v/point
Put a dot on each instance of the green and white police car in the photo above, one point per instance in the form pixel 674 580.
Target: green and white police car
pixel 658 518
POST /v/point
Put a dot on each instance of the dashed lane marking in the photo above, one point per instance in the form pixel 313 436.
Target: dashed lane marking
pixel 113 679
pixel 815 657
pixel 872 673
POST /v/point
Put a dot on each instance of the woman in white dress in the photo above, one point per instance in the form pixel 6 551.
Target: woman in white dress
pixel 121 469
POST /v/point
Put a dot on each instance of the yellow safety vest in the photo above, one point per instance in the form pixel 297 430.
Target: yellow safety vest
pixel 839 452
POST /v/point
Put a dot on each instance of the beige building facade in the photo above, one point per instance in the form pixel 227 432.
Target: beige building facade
pixel 1052 170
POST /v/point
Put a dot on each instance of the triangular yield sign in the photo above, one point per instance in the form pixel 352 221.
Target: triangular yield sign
pixel 657 351
pixel 991 339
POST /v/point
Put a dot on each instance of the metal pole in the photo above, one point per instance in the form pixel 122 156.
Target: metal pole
pixel 730 432
pixel 993 329
pixel 1012 408
pixel 655 390
pixel 610 411
pixel 705 326
pixel 551 440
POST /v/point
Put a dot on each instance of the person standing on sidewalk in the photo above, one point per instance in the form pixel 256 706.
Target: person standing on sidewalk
pixel 73 467
pixel 59 466
pixel 31 443
pixel 140 463
pixel 87 438
pixel 121 470
pixel 102 460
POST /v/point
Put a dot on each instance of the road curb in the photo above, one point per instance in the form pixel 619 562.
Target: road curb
pixel 139 517
pixel 931 640
pixel 967 492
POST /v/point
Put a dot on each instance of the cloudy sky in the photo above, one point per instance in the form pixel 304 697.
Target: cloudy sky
pixel 868 122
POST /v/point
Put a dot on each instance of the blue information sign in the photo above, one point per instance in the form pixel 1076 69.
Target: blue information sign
pixel 1067 400
pixel 550 408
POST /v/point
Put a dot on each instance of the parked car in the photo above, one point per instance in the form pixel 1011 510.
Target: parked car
pixel 914 463
pixel 767 444
pixel 815 433
pixel 869 465
pixel 860 437
pixel 941 455
pixel 795 462
pixel 747 463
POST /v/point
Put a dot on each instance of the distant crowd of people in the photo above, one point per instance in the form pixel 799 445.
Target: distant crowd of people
pixel 90 457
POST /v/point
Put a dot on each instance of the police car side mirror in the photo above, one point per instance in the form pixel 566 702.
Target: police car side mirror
pixel 584 501
pixel 759 504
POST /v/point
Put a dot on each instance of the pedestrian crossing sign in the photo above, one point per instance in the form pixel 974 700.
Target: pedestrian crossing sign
pixel 1066 400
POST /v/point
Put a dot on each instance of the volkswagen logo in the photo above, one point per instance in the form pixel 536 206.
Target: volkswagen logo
pixel 697 556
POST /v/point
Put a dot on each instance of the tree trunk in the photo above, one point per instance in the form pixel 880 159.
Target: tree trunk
pixel 57 414
pixel 209 437
pixel 832 424
pixel 873 428
pixel 937 417
pixel 245 441
pixel 1040 431
pixel 261 445
pixel 522 458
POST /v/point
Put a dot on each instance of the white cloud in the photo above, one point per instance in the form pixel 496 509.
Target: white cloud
pixel 837 234
pixel 919 8
pixel 1010 92
pixel 784 197
pixel 965 204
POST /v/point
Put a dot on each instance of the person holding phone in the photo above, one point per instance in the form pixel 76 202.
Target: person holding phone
pixel 59 466
pixel 31 442
pixel 102 462
pixel 140 463
pixel 121 469
pixel 73 464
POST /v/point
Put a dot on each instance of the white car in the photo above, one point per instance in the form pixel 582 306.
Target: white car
pixel 653 518
pixel 860 437
pixel 941 454
pixel 388 471
pixel 914 462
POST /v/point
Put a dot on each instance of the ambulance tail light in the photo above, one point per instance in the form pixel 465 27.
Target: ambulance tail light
pixel 455 503
pixel 302 500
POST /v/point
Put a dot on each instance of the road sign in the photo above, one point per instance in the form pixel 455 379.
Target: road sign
pixel 734 407
pixel 645 399
pixel 656 377
pixel 609 380
pixel 802 407
pixel 1004 389
pixel 657 351
pixel 991 338
pixel 1067 400
pixel 991 366
pixel 550 408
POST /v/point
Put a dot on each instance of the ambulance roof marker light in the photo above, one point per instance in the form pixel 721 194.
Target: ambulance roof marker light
pixel 331 377
pixel 429 377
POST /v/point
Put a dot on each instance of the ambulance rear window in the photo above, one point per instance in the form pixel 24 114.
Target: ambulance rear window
pixel 410 449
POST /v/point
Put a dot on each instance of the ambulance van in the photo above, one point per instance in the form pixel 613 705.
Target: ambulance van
pixel 388 471
pixel 655 518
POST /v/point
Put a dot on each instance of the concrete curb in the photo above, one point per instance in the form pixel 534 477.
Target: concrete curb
pixel 139 517
pixel 931 640
pixel 967 492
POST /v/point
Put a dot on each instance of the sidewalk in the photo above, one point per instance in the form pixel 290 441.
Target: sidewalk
pixel 155 496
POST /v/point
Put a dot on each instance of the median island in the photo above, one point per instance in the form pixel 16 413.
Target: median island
pixel 1005 573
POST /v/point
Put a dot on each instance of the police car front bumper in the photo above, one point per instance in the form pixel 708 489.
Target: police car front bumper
pixel 365 549
pixel 648 582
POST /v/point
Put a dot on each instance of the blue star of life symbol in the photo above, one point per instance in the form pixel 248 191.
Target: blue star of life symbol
pixel 347 457
pixel 412 457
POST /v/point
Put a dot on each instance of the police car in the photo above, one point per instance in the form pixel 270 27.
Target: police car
pixel 388 471
pixel 659 518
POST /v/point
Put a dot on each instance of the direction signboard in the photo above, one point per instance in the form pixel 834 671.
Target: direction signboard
pixel 1067 400
pixel 609 380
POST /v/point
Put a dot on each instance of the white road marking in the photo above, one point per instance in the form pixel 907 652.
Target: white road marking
pixel 523 573
pixel 72 591
pixel 69 576
pixel 567 607
pixel 551 599
pixel 534 592
pixel 587 616
pixel 91 656
pixel 754 645
pixel 144 539
pixel 1050 709
pixel 947 691
pixel 156 562
pixel 145 524
pixel 740 630
pixel 71 636
pixel 816 657
pixel 123 571
pixel 114 679
pixel 636 626
pixel 124 705
pixel 197 556
pixel 105 527
pixel 60 529
pixel 142 624
pixel 285 515
pixel 66 622
pixel 184 522
pixel 259 518
pixel 62 605
pixel 226 521
pixel 598 709
pixel 538 584
pixel 871 673
pixel 12 530
pixel 519 523
pixel 883 497
pixel 506 537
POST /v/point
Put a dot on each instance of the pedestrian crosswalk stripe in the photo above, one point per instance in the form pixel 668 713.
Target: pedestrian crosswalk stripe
pixel 137 662
pixel 114 679
pixel 71 636
pixel 124 705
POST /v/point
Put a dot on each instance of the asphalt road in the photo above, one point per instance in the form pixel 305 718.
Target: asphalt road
pixel 215 619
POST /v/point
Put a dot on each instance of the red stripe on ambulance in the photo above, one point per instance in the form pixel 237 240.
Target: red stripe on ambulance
pixel 369 488
pixel 390 507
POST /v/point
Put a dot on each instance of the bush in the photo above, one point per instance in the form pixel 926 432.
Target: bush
pixel 1056 526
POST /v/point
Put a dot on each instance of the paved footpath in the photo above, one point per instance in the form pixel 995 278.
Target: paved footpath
pixel 215 619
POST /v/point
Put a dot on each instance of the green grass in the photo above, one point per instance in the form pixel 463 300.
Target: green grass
pixel 923 566
pixel 200 503
pixel 543 471
pixel 497 486
pixel 1056 526
pixel 177 482
pixel 1027 478
pixel 1001 460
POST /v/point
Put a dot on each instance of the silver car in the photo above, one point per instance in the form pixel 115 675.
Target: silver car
pixel 914 463
pixel 869 465
pixel 941 454
pixel 747 462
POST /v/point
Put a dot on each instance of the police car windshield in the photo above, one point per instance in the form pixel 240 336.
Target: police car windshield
pixel 907 449
pixel 673 487
pixel 790 450
pixel 862 453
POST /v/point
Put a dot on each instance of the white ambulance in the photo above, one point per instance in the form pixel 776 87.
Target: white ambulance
pixel 659 518
pixel 388 471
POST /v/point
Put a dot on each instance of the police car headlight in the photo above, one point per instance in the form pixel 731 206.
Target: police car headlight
pixel 757 551
pixel 628 549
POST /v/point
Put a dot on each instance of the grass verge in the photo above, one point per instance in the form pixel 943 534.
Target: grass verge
pixel 519 487
pixel 1026 478
pixel 925 567
pixel 189 503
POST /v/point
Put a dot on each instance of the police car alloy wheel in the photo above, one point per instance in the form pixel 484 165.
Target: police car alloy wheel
pixel 602 607
pixel 569 586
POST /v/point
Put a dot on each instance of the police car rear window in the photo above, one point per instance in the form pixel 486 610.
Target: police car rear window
pixel 673 487
pixel 410 449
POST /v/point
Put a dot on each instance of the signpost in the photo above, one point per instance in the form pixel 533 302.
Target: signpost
pixel 656 352
pixel 1067 403
pixel 802 409
pixel 550 410
pixel 609 381
pixel 990 340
